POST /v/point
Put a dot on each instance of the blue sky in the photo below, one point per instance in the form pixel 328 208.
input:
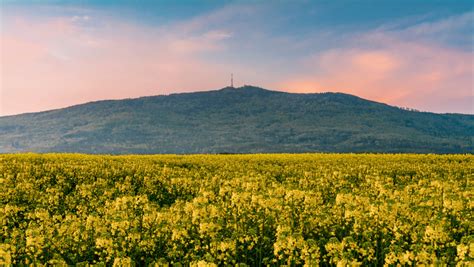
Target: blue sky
pixel 417 54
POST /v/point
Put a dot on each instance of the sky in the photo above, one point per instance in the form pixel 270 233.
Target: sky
pixel 415 54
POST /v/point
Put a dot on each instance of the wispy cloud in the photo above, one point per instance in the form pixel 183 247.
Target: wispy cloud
pixel 443 26
pixel 218 35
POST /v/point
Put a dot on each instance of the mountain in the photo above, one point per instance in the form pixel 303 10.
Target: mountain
pixel 237 120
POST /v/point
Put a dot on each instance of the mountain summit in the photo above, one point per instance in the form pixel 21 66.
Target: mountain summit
pixel 237 120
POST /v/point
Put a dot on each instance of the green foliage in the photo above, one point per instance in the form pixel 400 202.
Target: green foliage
pixel 243 120
pixel 245 210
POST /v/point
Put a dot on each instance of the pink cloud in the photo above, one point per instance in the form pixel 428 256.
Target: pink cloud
pixel 26 52
pixel 61 63
pixel 412 74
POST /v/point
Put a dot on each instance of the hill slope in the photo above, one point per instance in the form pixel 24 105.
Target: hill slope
pixel 237 120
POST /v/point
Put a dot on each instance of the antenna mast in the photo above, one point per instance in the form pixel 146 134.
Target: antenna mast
pixel 232 80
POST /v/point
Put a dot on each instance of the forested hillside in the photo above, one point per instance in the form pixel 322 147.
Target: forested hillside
pixel 237 120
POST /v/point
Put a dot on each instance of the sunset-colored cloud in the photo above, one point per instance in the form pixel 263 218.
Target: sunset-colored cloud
pixel 74 64
pixel 388 69
pixel 80 55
